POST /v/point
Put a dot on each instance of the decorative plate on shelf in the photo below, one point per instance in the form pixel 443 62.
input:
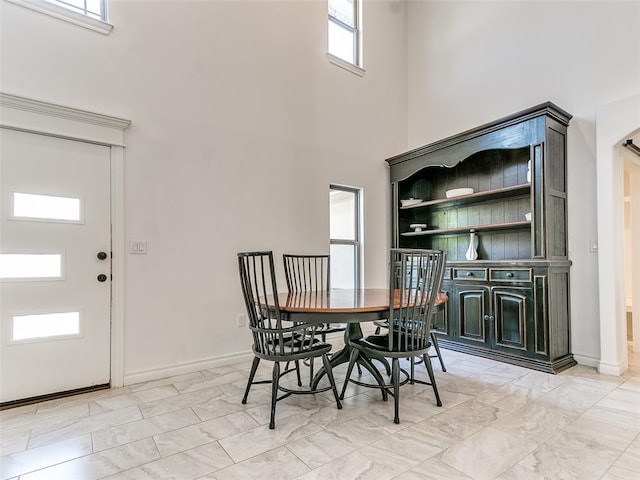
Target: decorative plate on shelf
pixel 410 201
pixel 457 192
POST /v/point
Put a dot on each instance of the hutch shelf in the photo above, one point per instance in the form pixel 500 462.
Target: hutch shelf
pixel 512 303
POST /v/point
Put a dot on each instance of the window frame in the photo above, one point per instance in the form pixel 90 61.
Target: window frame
pixel 356 29
pixel 357 242
pixel 54 9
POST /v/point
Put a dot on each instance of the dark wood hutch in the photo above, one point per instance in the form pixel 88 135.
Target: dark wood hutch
pixel 512 303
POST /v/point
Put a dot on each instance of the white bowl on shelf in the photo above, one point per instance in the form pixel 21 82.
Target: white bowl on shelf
pixel 418 227
pixel 527 216
pixel 410 202
pixel 457 192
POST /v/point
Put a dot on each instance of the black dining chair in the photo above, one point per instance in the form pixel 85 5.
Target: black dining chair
pixel 380 324
pixel 309 273
pixel 411 304
pixel 273 339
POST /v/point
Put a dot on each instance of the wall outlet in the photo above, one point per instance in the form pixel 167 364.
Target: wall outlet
pixel 241 320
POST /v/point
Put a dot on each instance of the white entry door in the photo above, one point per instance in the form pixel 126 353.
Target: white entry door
pixel 55 265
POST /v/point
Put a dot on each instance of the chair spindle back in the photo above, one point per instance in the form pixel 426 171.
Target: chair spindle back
pixel 415 280
pixel 305 273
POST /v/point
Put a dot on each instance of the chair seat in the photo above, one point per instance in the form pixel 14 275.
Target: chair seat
pixel 380 343
pixel 293 349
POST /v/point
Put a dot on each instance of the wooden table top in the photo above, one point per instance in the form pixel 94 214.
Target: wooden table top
pixel 339 301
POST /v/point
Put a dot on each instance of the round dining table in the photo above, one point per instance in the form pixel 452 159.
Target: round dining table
pixel 350 306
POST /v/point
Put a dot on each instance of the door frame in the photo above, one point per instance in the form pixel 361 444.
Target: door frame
pixel 615 122
pixel 43 118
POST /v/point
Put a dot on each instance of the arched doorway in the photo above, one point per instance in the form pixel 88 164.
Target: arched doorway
pixel 615 122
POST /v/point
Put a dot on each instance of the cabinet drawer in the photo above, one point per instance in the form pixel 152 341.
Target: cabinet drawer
pixel 470 273
pixel 510 274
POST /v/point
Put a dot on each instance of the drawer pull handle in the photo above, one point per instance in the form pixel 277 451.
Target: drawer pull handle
pixel 469 274
pixel 510 275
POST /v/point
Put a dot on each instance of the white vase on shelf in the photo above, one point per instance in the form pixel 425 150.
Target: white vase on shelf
pixel 472 253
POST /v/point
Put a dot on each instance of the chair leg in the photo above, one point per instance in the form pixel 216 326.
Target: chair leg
pixel 252 374
pixel 329 370
pixel 395 379
pixel 297 372
pixel 413 368
pixel 274 393
pixel 434 340
pixel 352 359
pixel 368 364
pixel 432 378
pixel 310 371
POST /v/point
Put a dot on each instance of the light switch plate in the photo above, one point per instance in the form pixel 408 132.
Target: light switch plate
pixel 138 247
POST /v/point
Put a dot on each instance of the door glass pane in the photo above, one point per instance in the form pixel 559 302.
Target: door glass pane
pixel 343 273
pixel 341 42
pixel 45 325
pixel 342 215
pixel 27 205
pixel 23 265
pixel 342 10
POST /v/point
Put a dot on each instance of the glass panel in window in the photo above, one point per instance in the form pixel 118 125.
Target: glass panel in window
pixel 341 42
pixel 27 265
pixel 28 205
pixel 94 8
pixel 45 325
pixel 343 273
pixel 343 10
pixel 342 215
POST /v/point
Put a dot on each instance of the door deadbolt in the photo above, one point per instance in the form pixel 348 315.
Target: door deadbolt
pixel 102 277
pixel 102 255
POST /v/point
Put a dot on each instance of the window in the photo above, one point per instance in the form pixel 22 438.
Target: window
pixel 345 34
pixel 91 8
pixel 31 266
pixel 46 326
pixel 344 233
pixel 89 14
pixel 46 207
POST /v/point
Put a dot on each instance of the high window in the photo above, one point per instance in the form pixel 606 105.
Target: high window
pixel 89 14
pixel 345 31
pixel 91 8
pixel 344 233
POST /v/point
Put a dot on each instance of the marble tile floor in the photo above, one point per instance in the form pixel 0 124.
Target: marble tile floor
pixel 497 422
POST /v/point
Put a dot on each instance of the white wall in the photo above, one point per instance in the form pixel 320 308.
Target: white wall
pixel 239 125
pixel 475 61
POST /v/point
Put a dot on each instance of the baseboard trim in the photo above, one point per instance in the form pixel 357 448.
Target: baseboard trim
pixel 188 367
pixel 586 360
pixel 615 369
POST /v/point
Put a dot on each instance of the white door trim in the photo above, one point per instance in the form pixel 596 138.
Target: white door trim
pixel 44 118
pixel 615 122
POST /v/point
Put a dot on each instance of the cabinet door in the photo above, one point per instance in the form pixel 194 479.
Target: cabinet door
pixel 473 305
pixel 513 315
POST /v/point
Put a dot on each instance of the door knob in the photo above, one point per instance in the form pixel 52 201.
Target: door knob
pixel 486 317
pixel 102 277
pixel 101 255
